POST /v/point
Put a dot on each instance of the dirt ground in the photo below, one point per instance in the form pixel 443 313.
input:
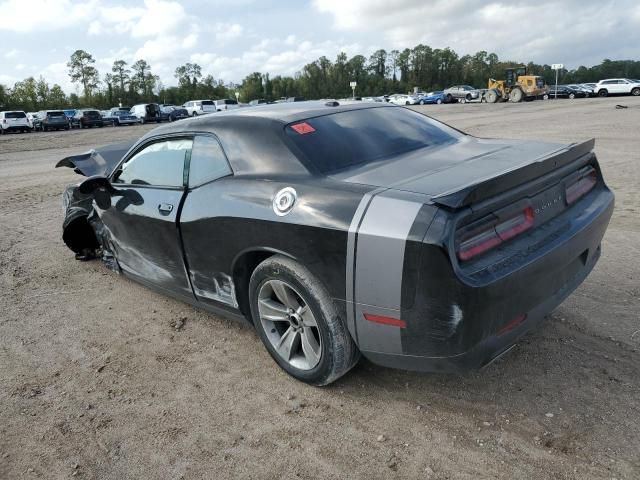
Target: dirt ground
pixel 97 383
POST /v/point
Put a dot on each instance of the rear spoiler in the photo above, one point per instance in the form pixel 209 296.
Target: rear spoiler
pixel 100 161
pixel 483 189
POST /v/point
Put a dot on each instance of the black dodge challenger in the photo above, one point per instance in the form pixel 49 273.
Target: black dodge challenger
pixel 341 229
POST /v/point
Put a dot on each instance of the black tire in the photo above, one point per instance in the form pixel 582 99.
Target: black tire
pixel 449 98
pixel 635 91
pixel 572 96
pixel 194 114
pixel 66 128
pixel 338 353
pixel 603 92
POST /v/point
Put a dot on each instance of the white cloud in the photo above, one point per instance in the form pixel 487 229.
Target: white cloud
pixel 226 32
pixel 13 53
pixel 571 32
pixel 30 15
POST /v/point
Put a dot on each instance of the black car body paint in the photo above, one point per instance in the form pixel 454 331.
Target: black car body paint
pixel 382 237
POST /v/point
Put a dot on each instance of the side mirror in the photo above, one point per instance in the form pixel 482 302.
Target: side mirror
pixel 94 183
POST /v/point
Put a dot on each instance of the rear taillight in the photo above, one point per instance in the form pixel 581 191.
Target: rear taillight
pixel 494 234
pixel 581 187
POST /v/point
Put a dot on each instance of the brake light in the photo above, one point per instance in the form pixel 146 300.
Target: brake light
pixel 581 187
pixel 495 234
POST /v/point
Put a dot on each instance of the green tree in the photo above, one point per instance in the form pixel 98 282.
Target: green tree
pixel 120 76
pixel 57 98
pixel 81 70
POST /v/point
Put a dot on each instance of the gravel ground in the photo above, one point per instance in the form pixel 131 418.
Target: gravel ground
pixel 97 381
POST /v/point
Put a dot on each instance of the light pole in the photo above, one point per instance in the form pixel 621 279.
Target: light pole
pixel 353 89
pixel 237 96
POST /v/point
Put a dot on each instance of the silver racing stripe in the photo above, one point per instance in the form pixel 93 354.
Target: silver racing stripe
pixel 351 250
pixel 375 261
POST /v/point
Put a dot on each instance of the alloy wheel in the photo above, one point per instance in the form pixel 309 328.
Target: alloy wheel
pixel 289 324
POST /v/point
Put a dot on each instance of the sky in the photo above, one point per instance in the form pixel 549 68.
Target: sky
pixel 233 38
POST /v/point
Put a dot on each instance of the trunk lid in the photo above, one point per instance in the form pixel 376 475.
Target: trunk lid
pixel 466 172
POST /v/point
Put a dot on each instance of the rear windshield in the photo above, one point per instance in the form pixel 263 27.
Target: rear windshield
pixel 91 113
pixel 15 115
pixel 230 102
pixel 55 114
pixel 207 102
pixel 355 138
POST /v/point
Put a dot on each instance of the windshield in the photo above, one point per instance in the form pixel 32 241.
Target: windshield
pixel 358 137
pixel 207 102
pixel 55 114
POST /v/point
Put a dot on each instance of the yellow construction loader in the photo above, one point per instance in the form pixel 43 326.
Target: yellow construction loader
pixel 516 87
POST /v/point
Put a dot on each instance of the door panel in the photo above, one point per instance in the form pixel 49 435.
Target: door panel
pixel 144 236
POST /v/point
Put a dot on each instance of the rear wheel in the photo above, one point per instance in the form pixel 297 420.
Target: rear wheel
pixel 421 102
pixel 572 96
pixel 194 114
pixel 298 322
pixel 439 101
pixel 635 92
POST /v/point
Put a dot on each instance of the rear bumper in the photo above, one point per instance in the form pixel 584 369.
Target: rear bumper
pixel 491 347
pixel 15 128
pixel 453 326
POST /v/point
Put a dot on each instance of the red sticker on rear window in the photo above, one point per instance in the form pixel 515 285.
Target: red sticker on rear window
pixel 303 128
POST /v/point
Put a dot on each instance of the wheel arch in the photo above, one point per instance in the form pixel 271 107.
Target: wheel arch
pixel 243 266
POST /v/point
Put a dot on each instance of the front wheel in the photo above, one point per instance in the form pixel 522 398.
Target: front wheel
pixel 439 101
pixel 572 96
pixel 298 322
pixel 421 102
pixel 603 93
pixel 635 92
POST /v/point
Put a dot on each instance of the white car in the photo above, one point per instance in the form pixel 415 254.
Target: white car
pixel 199 107
pixel 403 99
pixel 617 86
pixel 226 104
pixel 15 120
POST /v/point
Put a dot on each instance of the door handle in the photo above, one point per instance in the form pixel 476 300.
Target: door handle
pixel 165 208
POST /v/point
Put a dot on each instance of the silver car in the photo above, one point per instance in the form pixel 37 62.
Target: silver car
pixel 464 93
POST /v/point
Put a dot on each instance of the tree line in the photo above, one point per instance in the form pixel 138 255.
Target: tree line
pixel 384 72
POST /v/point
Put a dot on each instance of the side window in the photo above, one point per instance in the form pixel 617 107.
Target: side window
pixel 160 163
pixel 208 161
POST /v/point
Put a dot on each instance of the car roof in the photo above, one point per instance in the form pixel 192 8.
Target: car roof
pixel 247 134
pixel 280 112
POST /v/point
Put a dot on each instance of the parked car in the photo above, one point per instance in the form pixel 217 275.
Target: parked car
pixel 617 86
pixel 14 121
pixel 563 91
pixel 373 99
pixel 226 104
pixel 587 91
pixel 52 120
pixel 121 117
pixel 199 107
pixel 88 117
pixel 73 121
pixel 122 109
pixel 147 112
pixel 403 99
pixel 171 113
pixel 462 93
pixel 340 230
pixel 258 101
pixel 433 97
